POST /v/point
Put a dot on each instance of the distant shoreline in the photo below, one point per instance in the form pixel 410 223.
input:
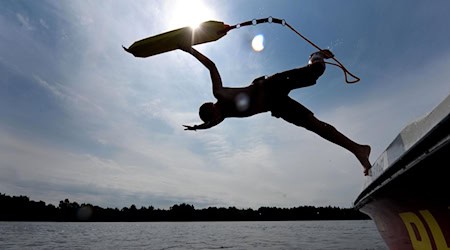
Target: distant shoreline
pixel 21 208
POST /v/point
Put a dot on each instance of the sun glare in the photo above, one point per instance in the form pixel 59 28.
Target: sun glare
pixel 190 13
pixel 258 43
pixel 195 25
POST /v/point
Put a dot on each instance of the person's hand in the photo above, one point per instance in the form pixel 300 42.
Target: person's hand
pixel 187 127
pixel 327 54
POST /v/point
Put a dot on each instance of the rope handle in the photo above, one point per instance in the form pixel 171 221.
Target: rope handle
pixel 284 23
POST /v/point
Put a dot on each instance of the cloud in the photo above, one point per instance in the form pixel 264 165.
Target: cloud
pixel 27 165
pixel 44 23
pixel 55 90
pixel 24 21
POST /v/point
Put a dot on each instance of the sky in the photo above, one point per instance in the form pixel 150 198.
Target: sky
pixel 82 119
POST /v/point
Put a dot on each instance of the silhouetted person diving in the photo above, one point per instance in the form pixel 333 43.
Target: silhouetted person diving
pixel 271 94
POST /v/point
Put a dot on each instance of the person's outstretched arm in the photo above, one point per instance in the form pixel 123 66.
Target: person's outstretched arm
pixel 215 76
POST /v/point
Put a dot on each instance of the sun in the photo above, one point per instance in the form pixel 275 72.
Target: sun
pixel 190 13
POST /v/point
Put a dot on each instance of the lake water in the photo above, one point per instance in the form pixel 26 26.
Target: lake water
pixel 192 235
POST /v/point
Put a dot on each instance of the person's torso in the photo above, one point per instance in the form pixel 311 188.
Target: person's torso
pixel 243 102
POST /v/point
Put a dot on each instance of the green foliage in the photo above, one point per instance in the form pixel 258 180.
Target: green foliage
pixel 21 208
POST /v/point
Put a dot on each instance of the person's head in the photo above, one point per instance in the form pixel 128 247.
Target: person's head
pixel 208 112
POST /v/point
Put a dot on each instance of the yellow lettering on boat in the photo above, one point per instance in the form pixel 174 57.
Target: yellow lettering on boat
pixel 436 231
pixel 421 241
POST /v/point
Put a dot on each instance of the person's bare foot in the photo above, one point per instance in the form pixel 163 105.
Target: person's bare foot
pixel 363 157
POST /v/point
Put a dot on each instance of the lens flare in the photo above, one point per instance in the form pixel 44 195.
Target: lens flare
pixel 258 43
pixel 242 102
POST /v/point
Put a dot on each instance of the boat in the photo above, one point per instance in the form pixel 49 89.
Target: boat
pixel 407 194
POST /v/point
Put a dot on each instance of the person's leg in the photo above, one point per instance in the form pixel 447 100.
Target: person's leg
pixel 331 134
pixel 297 78
pixel 295 113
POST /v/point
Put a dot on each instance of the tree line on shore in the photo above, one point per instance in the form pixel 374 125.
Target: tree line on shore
pixel 21 208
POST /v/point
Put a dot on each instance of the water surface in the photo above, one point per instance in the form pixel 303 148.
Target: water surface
pixel 192 235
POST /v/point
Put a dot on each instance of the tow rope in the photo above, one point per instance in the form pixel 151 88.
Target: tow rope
pixel 284 23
